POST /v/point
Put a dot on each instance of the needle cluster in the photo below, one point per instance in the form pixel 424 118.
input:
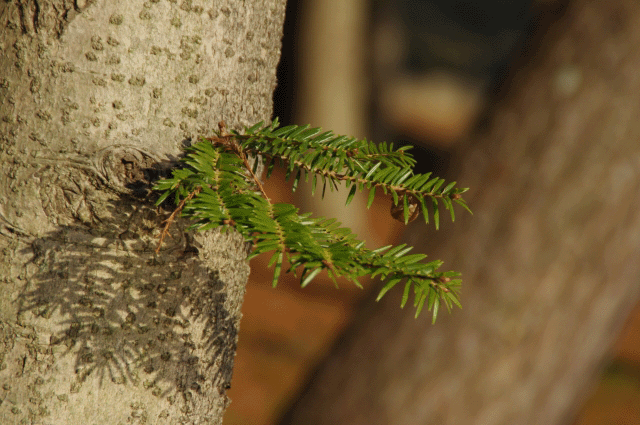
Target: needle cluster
pixel 217 186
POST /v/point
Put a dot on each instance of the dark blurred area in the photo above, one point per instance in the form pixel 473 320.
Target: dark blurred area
pixel 476 39
pixel 461 50
pixel 285 93
pixel 414 72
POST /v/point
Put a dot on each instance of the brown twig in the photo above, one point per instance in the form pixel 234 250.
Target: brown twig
pixel 255 179
pixel 172 217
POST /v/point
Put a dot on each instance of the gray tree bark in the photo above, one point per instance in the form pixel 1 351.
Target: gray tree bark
pixel 549 259
pixel 97 98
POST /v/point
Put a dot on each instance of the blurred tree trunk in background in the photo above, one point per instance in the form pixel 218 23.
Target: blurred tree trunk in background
pixel 549 259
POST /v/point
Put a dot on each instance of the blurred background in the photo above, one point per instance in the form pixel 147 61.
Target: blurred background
pixel 425 73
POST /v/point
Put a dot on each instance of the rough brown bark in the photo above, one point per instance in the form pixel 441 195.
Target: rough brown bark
pixel 97 98
pixel 549 259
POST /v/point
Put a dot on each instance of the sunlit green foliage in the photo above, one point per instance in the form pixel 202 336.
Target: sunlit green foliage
pixel 216 187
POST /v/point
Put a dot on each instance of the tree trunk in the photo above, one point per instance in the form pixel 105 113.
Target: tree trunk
pixel 549 259
pixel 97 98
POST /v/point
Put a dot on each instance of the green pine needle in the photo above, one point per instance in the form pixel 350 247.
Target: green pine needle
pixel 216 186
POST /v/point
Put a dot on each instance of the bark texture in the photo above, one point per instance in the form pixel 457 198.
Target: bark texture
pixel 549 259
pixel 97 99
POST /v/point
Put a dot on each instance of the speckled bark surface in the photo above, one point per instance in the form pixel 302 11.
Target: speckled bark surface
pixel 97 98
pixel 549 258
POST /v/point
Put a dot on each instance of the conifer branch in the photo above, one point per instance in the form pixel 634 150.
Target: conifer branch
pixel 217 186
